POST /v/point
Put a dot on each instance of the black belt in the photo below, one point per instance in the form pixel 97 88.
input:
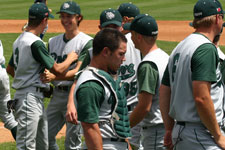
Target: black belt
pixel 63 88
pixel 181 123
pixel 117 140
pixel 39 89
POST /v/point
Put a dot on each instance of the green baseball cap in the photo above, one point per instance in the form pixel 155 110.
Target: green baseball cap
pixel 204 8
pixel 144 24
pixel 70 7
pixel 39 11
pixel 110 16
pixel 129 10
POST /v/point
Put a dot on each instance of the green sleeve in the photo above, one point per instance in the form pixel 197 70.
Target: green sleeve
pixel 166 77
pixel 204 63
pixel 11 63
pixel 86 61
pixel 40 54
pixel 85 50
pixel 90 96
pixel 147 76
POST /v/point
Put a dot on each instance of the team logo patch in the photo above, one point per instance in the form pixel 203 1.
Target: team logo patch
pixel 218 9
pixel 66 5
pixel 110 15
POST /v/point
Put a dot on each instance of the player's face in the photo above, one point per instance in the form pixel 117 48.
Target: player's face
pixel 116 58
pixel 68 21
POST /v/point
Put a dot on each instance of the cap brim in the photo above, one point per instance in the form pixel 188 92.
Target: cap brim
pixel 65 11
pixel 126 26
pixel 51 16
pixel 191 24
pixel 224 24
pixel 119 24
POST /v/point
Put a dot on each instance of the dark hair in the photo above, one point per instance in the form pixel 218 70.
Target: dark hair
pixel 79 21
pixel 107 37
pixel 34 22
pixel 40 1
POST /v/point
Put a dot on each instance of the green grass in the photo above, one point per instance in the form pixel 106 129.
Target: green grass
pixel 160 9
pixel 12 145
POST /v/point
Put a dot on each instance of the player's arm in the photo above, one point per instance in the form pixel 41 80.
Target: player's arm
pixel 164 103
pixel 89 97
pixel 92 135
pixel 40 53
pixel 71 113
pixel 10 67
pixel 203 64
pixel 147 79
pixel 69 75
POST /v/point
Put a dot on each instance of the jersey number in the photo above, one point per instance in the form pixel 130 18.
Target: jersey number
pixel 16 58
pixel 130 88
pixel 175 61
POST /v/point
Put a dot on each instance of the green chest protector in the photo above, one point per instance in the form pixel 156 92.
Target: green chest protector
pixel 119 114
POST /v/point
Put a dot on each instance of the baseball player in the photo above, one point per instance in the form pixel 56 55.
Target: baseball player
pixel 59 46
pixel 101 101
pixel 6 117
pixel 192 91
pixel 109 18
pixel 128 70
pixel 30 57
pixel 144 32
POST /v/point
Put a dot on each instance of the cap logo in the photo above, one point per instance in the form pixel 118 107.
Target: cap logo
pixel 154 32
pixel 218 9
pixel 66 5
pixel 110 15
pixel 198 14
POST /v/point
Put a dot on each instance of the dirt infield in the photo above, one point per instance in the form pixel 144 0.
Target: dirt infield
pixel 168 30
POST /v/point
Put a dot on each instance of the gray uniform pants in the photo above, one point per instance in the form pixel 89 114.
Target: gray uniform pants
pixel 7 118
pixel 32 121
pixel 153 137
pixel 188 136
pixel 56 112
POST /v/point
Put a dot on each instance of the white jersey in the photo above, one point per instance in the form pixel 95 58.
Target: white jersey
pixel 27 69
pixel 2 58
pixel 59 49
pixel 160 59
pixel 182 104
pixel 128 71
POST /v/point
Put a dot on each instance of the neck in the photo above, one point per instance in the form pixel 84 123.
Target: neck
pixel 149 48
pixel 35 30
pixel 208 32
pixel 69 35
pixel 96 62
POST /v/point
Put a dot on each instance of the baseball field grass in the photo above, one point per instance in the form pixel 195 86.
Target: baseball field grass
pixel 160 9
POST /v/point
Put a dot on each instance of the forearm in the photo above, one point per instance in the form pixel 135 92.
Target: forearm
pixel 164 103
pixel 92 135
pixel 71 94
pixel 205 107
pixel 142 108
pixel 10 70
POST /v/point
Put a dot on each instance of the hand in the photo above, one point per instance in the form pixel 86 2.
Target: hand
pixel 71 114
pixel 168 140
pixel 221 141
pixel 73 55
pixel 47 76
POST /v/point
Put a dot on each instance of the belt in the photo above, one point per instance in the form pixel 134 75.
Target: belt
pixel 131 106
pixel 181 123
pixel 63 88
pixel 114 139
pixel 3 66
pixel 41 90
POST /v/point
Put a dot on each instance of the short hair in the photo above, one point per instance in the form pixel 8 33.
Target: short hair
pixel 79 21
pixel 107 37
pixel 150 39
pixel 34 22
pixel 204 22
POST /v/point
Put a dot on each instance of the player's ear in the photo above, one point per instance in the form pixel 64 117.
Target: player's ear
pixel 105 51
